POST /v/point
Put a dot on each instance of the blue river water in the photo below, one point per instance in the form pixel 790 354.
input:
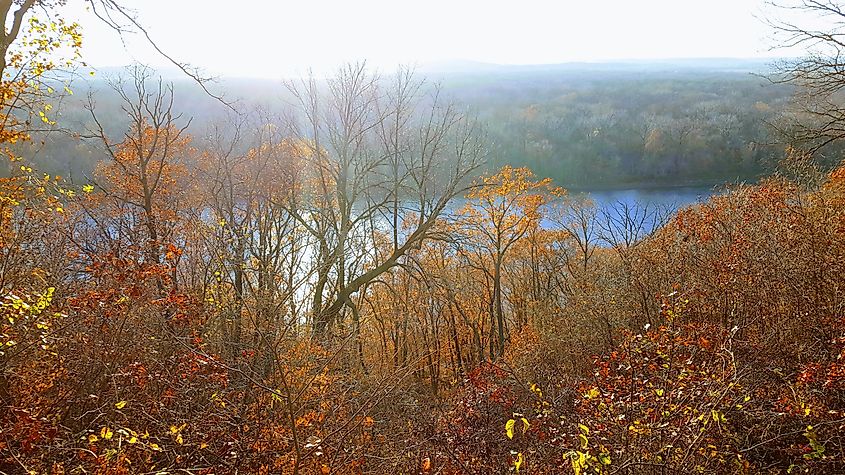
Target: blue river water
pixel 670 198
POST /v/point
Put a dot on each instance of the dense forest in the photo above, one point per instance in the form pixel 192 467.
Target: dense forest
pixel 378 275
pixel 621 125
pixel 616 126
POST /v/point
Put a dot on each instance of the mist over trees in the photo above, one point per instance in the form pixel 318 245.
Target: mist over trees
pixel 618 126
pixel 642 127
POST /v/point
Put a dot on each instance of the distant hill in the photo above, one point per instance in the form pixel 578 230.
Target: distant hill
pixel 749 65
pixel 606 124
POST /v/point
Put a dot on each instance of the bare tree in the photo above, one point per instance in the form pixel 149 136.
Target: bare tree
pixel 249 170
pixel 385 159
pixel 578 218
pixel 624 227
pixel 818 26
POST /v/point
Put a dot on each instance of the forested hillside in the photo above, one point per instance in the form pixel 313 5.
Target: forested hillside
pixel 639 124
pixel 615 126
pixel 366 277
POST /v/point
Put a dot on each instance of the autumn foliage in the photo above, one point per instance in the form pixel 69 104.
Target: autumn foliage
pixel 113 361
pixel 345 291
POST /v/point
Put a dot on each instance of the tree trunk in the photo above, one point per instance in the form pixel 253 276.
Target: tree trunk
pixel 497 300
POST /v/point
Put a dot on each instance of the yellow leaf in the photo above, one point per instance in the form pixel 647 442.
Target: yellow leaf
pixel 106 433
pixel 120 405
pixel 88 188
pixel 509 428
pixel 518 462
pixel 525 425
pixel 579 461
pixel 536 390
pixel 584 442
pixel 132 440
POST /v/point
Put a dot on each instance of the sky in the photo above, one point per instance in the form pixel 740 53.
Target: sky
pixel 265 38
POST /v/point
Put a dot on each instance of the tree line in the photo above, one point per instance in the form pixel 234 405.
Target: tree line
pixel 606 128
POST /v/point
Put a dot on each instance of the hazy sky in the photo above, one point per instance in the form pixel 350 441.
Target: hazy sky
pixel 273 38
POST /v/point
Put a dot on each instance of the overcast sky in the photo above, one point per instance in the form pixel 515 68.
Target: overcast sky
pixel 265 38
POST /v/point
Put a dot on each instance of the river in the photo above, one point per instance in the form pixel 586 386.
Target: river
pixel 670 198
pixel 630 214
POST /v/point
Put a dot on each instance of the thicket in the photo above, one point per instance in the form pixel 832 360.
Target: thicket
pixel 712 345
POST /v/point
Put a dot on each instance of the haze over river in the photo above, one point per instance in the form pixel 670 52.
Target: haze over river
pixel 671 198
